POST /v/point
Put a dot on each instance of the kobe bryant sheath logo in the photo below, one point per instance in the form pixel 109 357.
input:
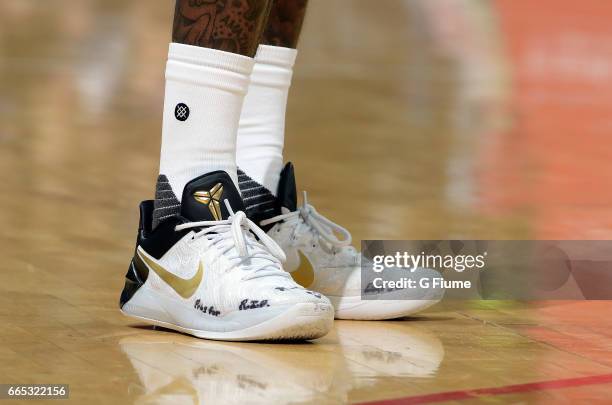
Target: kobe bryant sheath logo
pixel 211 198
pixel 181 112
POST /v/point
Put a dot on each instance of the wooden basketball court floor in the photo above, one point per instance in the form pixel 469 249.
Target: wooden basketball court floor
pixel 421 119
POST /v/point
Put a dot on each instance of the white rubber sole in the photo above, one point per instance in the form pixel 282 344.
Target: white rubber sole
pixel 376 310
pixel 301 321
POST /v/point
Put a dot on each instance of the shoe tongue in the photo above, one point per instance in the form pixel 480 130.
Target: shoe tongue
pixel 287 194
pixel 204 197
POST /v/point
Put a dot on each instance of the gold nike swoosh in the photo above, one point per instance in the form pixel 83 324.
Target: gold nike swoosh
pixel 304 275
pixel 183 287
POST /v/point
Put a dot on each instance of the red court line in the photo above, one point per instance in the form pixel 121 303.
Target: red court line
pixel 508 389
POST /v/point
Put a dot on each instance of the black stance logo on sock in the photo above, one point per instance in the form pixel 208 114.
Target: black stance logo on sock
pixel 181 112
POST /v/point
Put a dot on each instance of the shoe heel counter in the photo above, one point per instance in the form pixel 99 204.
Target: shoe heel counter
pixel 145 225
pixel 137 272
pixel 135 277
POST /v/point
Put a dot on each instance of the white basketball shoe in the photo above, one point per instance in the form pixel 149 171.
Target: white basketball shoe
pixel 320 258
pixel 214 274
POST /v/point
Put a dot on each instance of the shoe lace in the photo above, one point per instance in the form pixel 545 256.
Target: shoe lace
pixel 235 238
pixel 306 218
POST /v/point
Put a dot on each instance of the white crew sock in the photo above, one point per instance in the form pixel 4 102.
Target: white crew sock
pixel 261 133
pixel 212 84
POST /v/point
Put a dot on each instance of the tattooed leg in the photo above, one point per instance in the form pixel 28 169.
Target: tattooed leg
pixel 228 25
pixel 285 23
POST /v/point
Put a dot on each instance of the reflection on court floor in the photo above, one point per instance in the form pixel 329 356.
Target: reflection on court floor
pixel 173 368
